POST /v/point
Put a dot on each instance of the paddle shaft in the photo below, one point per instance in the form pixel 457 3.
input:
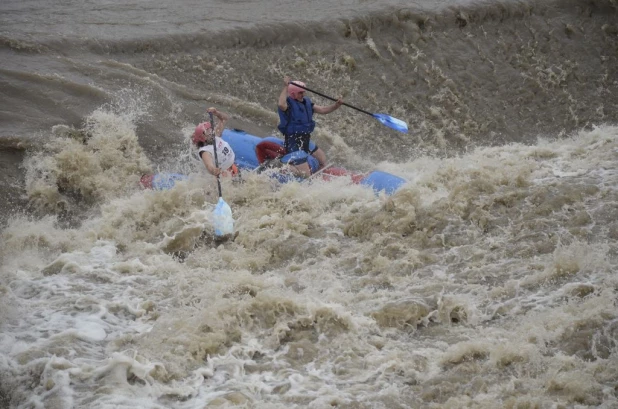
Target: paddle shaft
pixel 332 99
pixel 214 146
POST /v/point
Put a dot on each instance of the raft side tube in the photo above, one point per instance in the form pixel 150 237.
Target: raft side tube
pixel 382 181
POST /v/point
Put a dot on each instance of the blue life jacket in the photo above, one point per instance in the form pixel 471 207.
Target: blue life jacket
pixel 298 118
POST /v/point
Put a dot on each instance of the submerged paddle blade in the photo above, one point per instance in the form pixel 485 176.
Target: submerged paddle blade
pixel 222 218
pixel 396 124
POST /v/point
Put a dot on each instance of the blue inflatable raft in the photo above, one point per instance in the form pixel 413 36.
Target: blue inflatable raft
pixel 249 150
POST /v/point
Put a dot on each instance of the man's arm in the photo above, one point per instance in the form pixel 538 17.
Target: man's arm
pixel 320 109
pixel 222 119
pixel 283 96
pixel 210 163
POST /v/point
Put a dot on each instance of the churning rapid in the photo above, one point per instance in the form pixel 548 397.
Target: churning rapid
pixel 487 281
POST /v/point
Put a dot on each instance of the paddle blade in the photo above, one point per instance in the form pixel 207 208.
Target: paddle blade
pixel 396 124
pixel 222 218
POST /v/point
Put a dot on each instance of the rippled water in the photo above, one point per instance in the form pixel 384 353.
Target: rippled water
pixel 487 281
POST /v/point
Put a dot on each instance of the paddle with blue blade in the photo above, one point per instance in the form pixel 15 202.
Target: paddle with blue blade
pixel 222 214
pixel 394 123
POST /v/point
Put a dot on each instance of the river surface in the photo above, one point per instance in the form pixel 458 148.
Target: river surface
pixel 489 280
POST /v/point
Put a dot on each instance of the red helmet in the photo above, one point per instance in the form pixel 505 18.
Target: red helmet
pixel 293 89
pixel 146 181
pixel 200 133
